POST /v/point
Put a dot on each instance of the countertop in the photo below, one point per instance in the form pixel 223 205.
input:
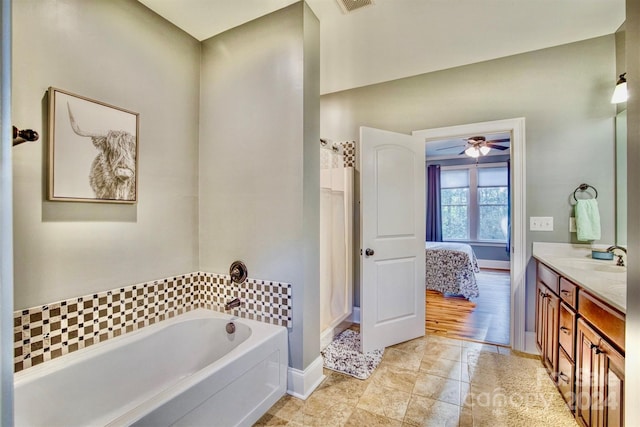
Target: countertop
pixel 600 278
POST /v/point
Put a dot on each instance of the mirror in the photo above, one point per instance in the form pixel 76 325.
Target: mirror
pixel 621 178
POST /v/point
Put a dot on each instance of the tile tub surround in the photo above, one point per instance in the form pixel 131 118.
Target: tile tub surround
pixel 49 331
pixel 265 301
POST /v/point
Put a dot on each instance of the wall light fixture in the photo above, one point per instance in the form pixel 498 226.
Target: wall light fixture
pixel 620 93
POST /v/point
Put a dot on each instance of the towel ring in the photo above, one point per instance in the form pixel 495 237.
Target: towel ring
pixel 584 187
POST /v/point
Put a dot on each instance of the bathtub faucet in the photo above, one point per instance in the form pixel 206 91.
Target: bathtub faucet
pixel 234 303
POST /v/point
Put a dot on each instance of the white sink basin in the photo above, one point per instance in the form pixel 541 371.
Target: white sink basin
pixel 610 268
pixel 593 264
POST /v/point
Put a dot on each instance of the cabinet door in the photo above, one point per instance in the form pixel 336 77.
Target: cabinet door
pixel 552 312
pixel 600 380
pixel 547 316
pixel 613 379
pixel 540 301
pixel 587 369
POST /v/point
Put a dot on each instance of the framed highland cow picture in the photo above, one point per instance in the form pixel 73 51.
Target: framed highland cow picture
pixel 93 150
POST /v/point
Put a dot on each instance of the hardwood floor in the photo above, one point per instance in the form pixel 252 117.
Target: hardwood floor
pixel 484 319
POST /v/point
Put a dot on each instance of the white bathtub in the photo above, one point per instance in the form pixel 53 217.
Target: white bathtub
pixel 186 371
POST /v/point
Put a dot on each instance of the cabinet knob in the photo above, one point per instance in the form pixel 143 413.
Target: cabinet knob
pixel 565 330
pixel 563 377
pixel 597 348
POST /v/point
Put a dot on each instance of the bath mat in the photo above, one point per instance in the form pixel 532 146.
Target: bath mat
pixel 343 355
pixel 514 391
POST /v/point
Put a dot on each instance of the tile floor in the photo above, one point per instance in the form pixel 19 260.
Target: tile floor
pixel 423 382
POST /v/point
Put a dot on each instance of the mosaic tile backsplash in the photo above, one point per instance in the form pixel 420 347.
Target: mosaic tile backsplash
pixel 349 152
pixel 45 332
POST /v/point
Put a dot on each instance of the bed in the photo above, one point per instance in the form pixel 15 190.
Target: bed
pixel 451 269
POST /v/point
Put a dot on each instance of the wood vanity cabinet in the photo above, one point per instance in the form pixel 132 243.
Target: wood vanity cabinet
pixel 547 309
pixel 565 379
pixel 599 363
pixel 600 380
pixel 581 340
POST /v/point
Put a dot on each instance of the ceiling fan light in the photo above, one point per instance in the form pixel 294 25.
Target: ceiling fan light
pixel 484 150
pixel 620 93
pixel 472 152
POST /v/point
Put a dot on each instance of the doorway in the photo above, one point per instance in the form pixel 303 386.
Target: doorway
pixel 468 288
pixel 517 263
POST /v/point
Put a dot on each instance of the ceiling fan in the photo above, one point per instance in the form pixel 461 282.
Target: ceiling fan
pixel 477 146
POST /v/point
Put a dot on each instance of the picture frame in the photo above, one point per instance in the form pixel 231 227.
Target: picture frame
pixel 93 150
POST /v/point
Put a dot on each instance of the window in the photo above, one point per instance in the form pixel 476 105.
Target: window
pixel 454 202
pixel 474 202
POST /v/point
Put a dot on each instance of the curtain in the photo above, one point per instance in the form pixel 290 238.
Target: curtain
pixel 434 212
pixel 508 247
pixel 336 210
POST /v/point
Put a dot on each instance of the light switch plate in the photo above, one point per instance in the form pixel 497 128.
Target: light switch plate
pixel 572 225
pixel 541 223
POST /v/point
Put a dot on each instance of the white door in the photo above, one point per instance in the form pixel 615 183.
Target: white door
pixel 392 235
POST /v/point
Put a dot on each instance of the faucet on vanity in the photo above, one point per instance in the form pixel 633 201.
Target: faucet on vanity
pixel 612 249
pixel 234 303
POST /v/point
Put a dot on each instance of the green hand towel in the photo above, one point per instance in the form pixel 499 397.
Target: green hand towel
pixel 587 220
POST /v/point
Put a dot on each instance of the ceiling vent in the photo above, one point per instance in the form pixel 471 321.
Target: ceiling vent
pixel 351 5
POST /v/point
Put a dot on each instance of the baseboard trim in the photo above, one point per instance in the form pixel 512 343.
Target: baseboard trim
pixel 530 343
pixel 491 263
pixel 329 334
pixel 355 315
pixel 326 337
pixel 301 384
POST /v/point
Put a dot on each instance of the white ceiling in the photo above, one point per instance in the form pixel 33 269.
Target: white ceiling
pixel 399 38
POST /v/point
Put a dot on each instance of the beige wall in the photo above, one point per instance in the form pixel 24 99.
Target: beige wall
pixel 120 53
pixel 257 148
pixel 632 360
pixel 259 160
pixel 563 93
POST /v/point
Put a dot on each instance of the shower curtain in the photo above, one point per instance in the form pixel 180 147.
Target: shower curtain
pixel 336 241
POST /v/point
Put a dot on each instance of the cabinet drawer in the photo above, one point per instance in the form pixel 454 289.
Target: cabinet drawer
pixel 548 277
pixel 567 327
pixel 565 381
pixel 606 319
pixel 568 292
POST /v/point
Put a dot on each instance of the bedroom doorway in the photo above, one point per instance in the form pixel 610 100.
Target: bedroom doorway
pixel 494 312
pixel 468 217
